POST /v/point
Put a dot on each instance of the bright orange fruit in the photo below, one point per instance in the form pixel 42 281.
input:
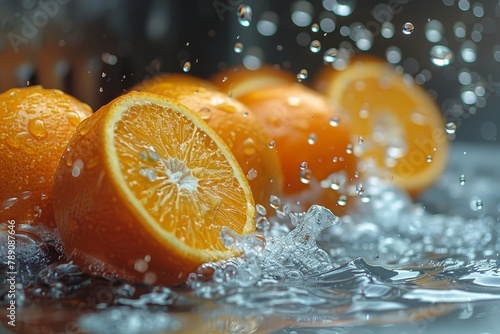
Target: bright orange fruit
pixel 314 148
pixel 403 130
pixel 236 124
pixel 238 81
pixel 35 126
pixel 145 188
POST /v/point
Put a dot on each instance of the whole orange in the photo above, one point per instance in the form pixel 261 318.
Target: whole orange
pixel 314 146
pixel 35 126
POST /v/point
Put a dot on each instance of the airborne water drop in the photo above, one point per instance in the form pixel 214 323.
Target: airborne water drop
pixel 408 28
pixel 244 15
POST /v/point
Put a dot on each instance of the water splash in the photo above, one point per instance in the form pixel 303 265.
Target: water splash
pixel 58 280
pixel 296 255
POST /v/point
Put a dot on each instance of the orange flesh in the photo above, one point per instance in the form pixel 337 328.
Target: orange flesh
pixel 180 171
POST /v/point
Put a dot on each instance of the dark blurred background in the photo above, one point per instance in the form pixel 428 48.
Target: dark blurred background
pixel 96 49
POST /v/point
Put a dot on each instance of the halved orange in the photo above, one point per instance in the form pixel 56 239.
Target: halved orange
pixel 144 189
pixel 238 81
pixel 240 129
pixel 401 128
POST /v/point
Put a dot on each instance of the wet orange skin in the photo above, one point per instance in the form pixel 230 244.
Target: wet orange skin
pixel 299 120
pixel 35 126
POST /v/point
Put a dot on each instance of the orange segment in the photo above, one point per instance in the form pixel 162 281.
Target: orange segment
pixel 35 126
pixel 401 125
pixel 240 129
pixel 154 187
pixel 310 144
pixel 238 81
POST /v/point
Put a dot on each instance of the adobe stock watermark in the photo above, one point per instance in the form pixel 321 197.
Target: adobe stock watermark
pixel 12 279
pixel 33 22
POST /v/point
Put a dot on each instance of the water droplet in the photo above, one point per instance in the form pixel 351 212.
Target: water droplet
pixel 349 148
pixel 393 54
pixel 205 113
pixel 103 74
pixel 360 189
pixel 25 195
pixel 73 118
pixel 311 140
pixel 302 75
pixel 238 47
pixel 434 31
pixel 462 179
pixel 252 174
pixel 451 127
pixel 303 165
pixel 365 198
pixel 460 29
pixel 262 223
pixel 261 210
pixel 387 29
pixel 101 90
pixel 315 27
pixel 140 265
pixel 248 147
pixel 38 211
pixel 149 173
pixel 335 121
pixel 468 52
pixel 341 8
pixel 152 155
pixel 8 203
pixel 408 28
pixel 441 55
pixel 268 23
pixel 429 158
pixel 315 46
pixel 274 202
pixel 342 200
pixel 360 140
pixel 305 176
pixel 330 55
pixel 186 67
pixel 302 13
pixel 468 97
pixel 272 144
pixel 280 214
pixel 37 128
pixel 476 204
pixel 244 15
pixel 77 168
